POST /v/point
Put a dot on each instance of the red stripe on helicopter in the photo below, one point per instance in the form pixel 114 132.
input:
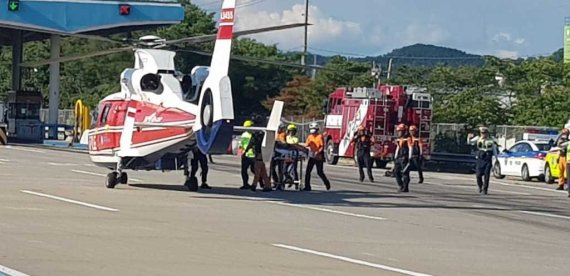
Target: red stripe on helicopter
pixel 226 32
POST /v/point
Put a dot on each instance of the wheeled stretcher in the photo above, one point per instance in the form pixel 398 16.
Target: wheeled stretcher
pixel 291 159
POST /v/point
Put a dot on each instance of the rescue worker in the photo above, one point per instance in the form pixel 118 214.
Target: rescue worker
pixel 417 155
pixel 276 166
pixel 316 145
pixel 247 157
pixel 486 149
pixel 292 140
pixel 199 157
pixel 363 142
pixel 402 160
pixel 562 159
pixel 260 170
pixel 567 146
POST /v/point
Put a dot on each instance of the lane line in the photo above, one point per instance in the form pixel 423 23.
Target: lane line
pixel 11 272
pixel 545 214
pixel 61 164
pixel 328 210
pixel 350 260
pixel 71 201
pixel 4 160
pixel 100 174
pixel 25 149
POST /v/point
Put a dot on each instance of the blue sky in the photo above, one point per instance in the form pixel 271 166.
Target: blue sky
pixel 506 28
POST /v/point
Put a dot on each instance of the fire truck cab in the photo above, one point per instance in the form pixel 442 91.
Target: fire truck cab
pixel 379 110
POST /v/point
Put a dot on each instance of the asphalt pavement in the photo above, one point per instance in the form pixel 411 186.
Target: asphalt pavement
pixel 57 218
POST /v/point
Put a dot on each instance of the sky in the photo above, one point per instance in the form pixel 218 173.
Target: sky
pixel 504 28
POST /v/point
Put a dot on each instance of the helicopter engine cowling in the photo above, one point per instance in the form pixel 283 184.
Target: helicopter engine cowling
pixel 214 124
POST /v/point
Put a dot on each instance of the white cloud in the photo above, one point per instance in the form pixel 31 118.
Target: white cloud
pixel 507 54
pixel 324 29
pixel 502 36
pixel 520 41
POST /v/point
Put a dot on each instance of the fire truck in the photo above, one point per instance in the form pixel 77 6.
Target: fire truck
pixel 379 110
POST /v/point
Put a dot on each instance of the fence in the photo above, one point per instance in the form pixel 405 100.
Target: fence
pixel 445 138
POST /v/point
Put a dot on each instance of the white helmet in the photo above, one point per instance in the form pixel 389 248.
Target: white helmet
pixel 313 127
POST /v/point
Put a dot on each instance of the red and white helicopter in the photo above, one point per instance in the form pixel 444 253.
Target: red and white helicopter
pixel 160 115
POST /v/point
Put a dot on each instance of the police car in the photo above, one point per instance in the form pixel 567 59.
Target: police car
pixel 525 159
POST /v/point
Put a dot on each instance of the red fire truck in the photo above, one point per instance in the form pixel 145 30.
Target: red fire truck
pixel 379 110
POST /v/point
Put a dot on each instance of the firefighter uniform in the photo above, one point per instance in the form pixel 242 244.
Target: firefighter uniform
pixel 486 149
pixel 402 160
pixel 363 144
pixel 417 155
pixel 247 157
pixel 292 139
pixel 316 145
pixel 562 159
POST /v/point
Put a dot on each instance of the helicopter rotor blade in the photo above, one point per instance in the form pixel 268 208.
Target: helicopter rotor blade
pixel 75 57
pixel 212 37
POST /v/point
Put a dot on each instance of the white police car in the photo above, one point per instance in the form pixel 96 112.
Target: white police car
pixel 524 159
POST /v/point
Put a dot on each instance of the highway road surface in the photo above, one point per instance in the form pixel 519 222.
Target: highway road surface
pixel 57 218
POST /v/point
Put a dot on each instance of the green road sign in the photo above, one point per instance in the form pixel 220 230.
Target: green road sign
pixel 13 5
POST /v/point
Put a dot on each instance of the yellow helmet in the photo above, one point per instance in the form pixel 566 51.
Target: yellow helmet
pixel 248 123
pixel 291 127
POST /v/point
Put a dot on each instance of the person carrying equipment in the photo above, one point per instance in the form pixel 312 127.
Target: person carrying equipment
pixel 247 156
pixel 363 142
pixel 486 149
pixel 562 159
pixel 292 140
pixel 567 146
pixel 260 170
pixel 276 165
pixel 316 145
pixel 417 155
pixel 402 159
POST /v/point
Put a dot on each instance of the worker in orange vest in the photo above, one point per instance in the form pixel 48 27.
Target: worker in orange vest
pixel 315 145
pixel 562 159
pixel 276 164
pixel 402 155
pixel 417 154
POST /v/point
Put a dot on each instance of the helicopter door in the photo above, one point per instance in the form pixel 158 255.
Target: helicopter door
pixel 104 139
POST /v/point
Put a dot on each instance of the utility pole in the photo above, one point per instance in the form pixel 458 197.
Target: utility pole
pixel 389 68
pixel 303 61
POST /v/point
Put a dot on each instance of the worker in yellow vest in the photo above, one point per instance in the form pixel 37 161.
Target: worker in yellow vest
pixel 247 155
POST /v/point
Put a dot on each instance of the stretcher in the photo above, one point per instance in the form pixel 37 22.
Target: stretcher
pixel 290 156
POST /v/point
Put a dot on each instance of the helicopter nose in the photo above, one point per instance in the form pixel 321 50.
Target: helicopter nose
pixel 214 136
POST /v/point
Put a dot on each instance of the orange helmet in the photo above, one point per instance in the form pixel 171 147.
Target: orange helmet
pixel 413 128
pixel 401 127
pixel 565 131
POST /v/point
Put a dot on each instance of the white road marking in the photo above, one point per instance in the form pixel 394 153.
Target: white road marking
pixel 350 260
pixel 529 187
pixel 545 214
pixel 328 210
pixel 61 164
pixel 11 272
pixel 100 174
pixel 71 201
pixel 25 149
pixel 4 160
pixel 475 188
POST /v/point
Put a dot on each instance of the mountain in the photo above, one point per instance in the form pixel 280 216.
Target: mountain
pixel 426 55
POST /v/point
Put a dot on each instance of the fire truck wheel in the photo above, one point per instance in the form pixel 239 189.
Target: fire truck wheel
pixel 380 164
pixel 330 156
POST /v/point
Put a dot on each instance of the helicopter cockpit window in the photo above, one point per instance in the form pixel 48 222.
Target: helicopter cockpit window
pixel 189 89
pixel 151 83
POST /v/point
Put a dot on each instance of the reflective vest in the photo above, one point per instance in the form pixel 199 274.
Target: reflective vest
pixel 292 140
pixel 568 153
pixel 244 142
pixel 485 144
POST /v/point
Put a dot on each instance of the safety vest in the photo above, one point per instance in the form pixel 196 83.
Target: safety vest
pixel 244 142
pixel 292 140
pixel 485 144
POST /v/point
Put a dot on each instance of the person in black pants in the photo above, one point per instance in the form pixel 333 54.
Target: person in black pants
pixel 402 160
pixel 417 155
pixel 315 146
pixel 200 158
pixel 363 143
